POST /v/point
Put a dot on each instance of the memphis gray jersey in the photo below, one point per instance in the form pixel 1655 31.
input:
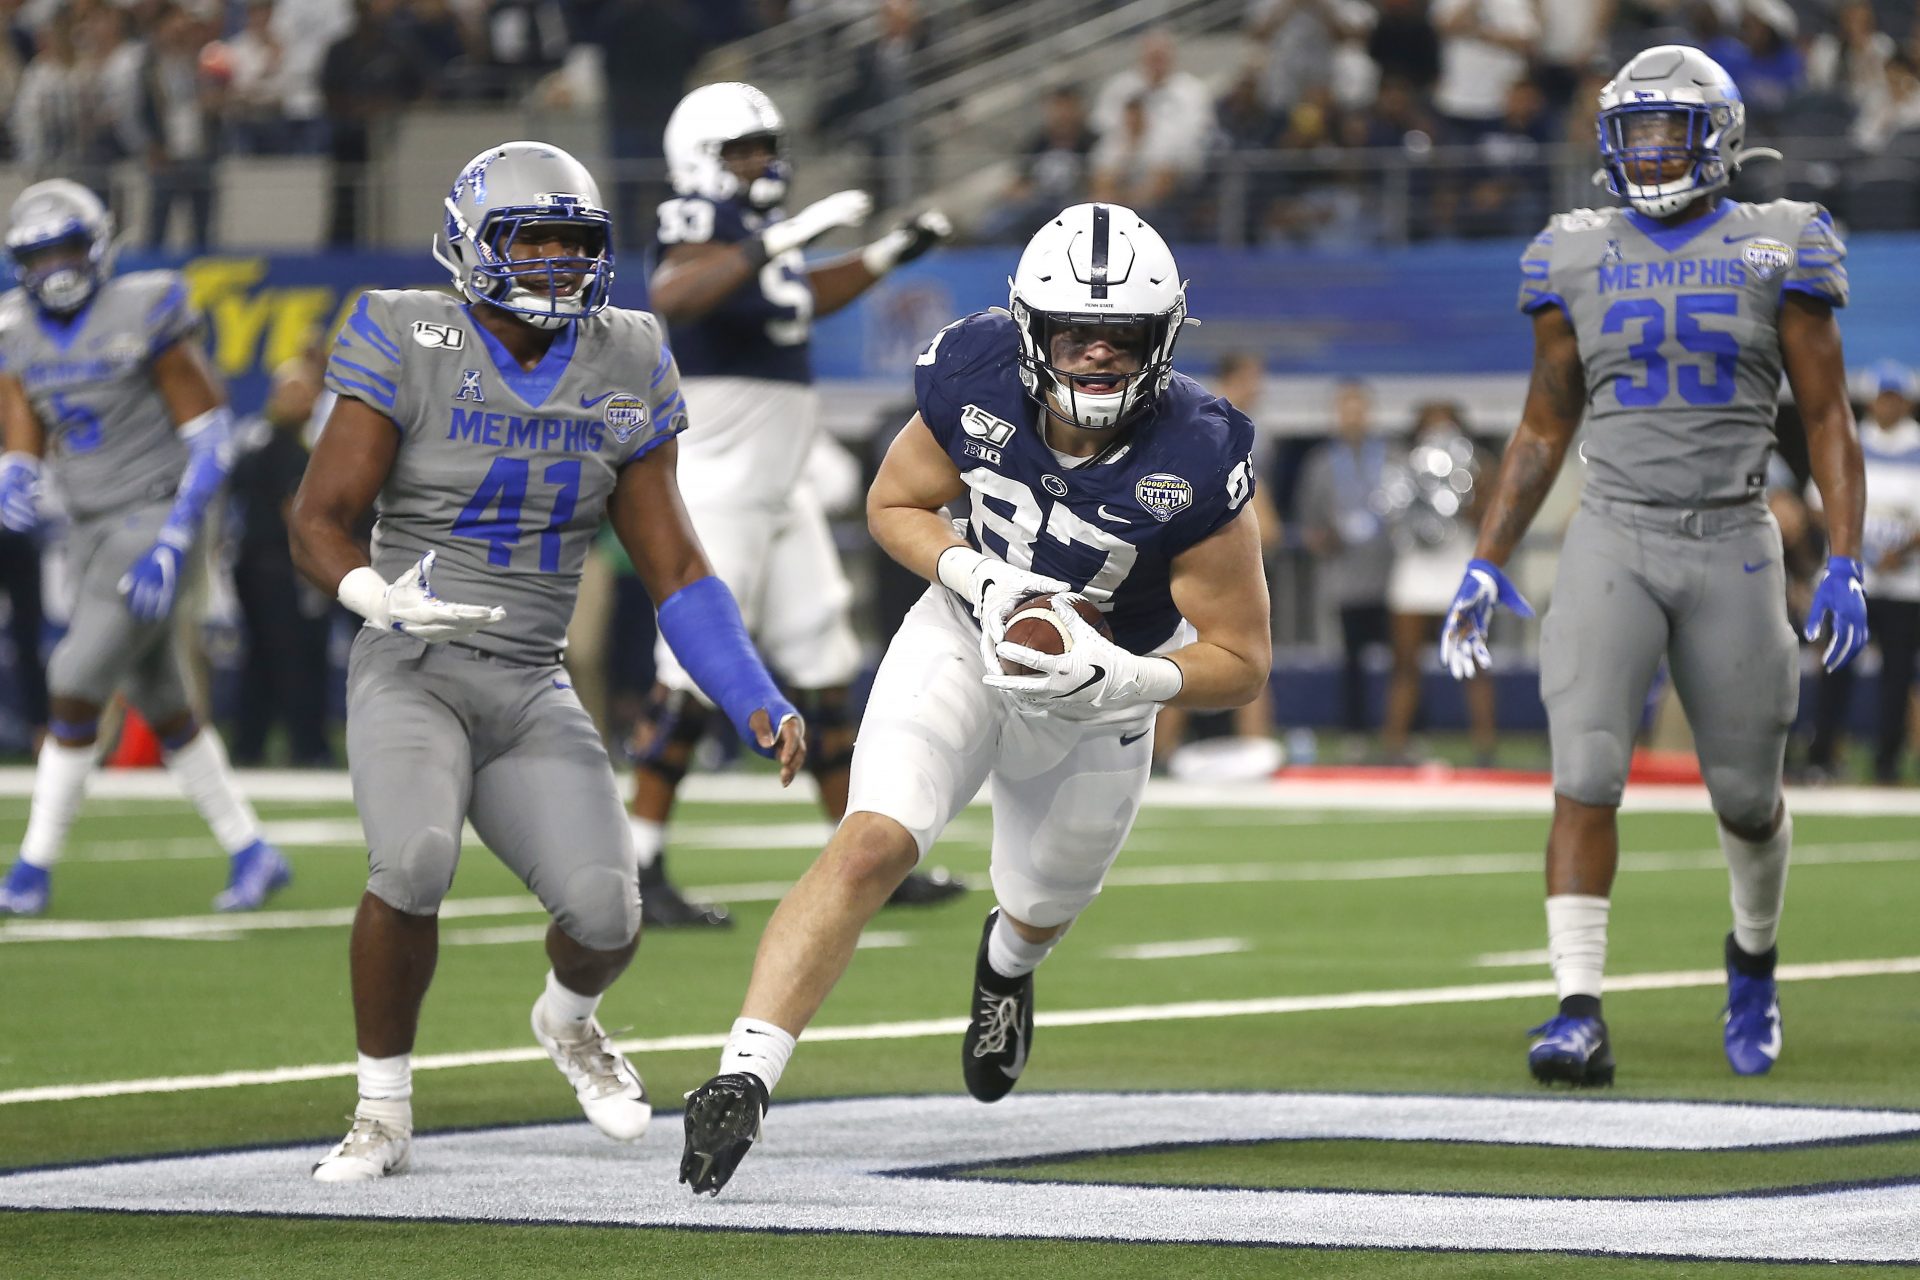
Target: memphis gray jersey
pixel 1679 333
pixel 505 472
pixel 111 442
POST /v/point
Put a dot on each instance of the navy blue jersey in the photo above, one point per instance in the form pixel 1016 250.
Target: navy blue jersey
pixel 761 329
pixel 1110 525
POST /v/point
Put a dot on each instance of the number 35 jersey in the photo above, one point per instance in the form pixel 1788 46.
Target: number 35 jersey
pixel 1110 525
pixel 1679 335
pixel 111 441
pixel 504 471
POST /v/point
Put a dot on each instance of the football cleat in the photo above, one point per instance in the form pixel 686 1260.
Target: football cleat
pixel 609 1089
pixel 25 890
pixel 253 874
pixel 924 888
pixel 723 1120
pixel 663 907
pixel 1753 1023
pixel 994 1050
pixel 372 1149
pixel 1571 1051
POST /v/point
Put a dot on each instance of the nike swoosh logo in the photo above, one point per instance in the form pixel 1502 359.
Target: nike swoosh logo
pixel 1127 740
pixel 1109 517
pixel 1013 1069
pixel 588 404
pixel 561 684
pixel 1099 674
pixel 1737 239
pixel 1772 1047
pixel 1755 568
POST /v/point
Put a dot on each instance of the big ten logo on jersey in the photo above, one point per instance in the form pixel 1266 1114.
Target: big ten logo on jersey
pixel 989 434
pixel 447 337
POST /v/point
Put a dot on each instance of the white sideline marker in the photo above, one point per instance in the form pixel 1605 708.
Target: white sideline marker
pixel 1179 950
pixel 1185 1011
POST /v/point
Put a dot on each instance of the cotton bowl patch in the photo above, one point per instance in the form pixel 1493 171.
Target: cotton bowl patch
pixel 1767 257
pixel 1164 495
pixel 625 414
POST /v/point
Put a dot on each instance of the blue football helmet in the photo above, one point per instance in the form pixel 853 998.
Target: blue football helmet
pixel 1672 82
pixel 510 188
pixel 49 214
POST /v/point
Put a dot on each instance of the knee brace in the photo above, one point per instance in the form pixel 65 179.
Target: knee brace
pixel 830 727
pixel 679 721
pixel 415 878
pixel 599 908
pixel 1592 767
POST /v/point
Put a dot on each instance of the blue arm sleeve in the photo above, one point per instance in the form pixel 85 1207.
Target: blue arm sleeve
pixel 702 624
pixel 209 455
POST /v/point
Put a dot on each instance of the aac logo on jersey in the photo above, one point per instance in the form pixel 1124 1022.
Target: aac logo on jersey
pixel 1767 257
pixel 430 335
pixel 470 387
pixel 626 414
pixel 1164 495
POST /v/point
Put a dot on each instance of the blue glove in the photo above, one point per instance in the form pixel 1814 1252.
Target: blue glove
pixel 1839 595
pixel 150 584
pixel 20 492
pixel 1463 640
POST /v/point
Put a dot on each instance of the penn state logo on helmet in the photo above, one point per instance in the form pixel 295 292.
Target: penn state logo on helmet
pixel 625 414
pixel 59 243
pixel 533 194
pixel 1671 103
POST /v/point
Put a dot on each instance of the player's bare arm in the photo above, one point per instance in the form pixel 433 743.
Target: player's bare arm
pixel 1556 399
pixel 18 422
pixel 186 381
pixel 349 464
pixel 26 442
pixel 1220 587
pixel 916 479
pixel 651 522
pixel 1816 370
pixel 693 279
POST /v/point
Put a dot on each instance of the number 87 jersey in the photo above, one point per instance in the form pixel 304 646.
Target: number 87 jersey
pixel 1678 328
pixel 1111 524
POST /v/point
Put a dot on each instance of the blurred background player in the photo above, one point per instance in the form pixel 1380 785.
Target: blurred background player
pixel 1091 464
pixel 739 300
pixel 498 430
pixel 102 378
pixel 1673 318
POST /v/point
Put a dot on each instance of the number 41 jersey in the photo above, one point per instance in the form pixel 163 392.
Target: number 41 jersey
pixel 1679 335
pixel 1109 525
pixel 504 471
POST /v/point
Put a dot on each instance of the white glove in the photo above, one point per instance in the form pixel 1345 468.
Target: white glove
pixel 841 209
pixel 408 605
pixel 993 589
pixel 909 240
pixel 1094 671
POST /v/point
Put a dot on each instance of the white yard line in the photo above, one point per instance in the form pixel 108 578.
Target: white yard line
pixel 1186 1011
pixel 1193 875
pixel 1178 950
pixel 1513 959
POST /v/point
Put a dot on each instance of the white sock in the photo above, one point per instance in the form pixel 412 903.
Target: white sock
pixel 1012 956
pixel 1759 876
pixel 201 771
pixel 1577 942
pixel 59 785
pixel 649 837
pixel 758 1048
pixel 567 1012
pixel 386 1089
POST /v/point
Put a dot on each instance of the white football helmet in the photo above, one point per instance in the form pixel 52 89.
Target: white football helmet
pixel 56 212
pixel 1672 79
pixel 708 119
pixel 1097 264
pixel 515 185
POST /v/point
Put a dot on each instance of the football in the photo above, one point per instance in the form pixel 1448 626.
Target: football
pixel 1035 626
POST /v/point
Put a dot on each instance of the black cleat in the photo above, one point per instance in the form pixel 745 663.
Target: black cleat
pixel 723 1120
pixel 663 907
pixel 994 1052
pixel 924 888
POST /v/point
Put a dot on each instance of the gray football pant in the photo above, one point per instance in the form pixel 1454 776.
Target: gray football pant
pixel 438 734
pixel 1706 590
pixel 106 649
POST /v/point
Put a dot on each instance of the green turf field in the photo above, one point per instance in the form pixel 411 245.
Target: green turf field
pixel 130 980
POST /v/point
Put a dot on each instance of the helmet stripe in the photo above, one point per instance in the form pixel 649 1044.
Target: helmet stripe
pixel 1100 236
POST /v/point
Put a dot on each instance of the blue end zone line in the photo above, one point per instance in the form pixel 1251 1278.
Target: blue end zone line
pixel 939 1027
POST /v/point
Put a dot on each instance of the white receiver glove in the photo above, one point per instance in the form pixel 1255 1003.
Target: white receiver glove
pixel 841 209
pixel 993 589
pixel 1094 671
pixel 408 605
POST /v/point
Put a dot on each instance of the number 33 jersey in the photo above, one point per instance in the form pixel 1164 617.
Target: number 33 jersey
pixel 1109 525
pixel 1679 335
pixel 504 471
